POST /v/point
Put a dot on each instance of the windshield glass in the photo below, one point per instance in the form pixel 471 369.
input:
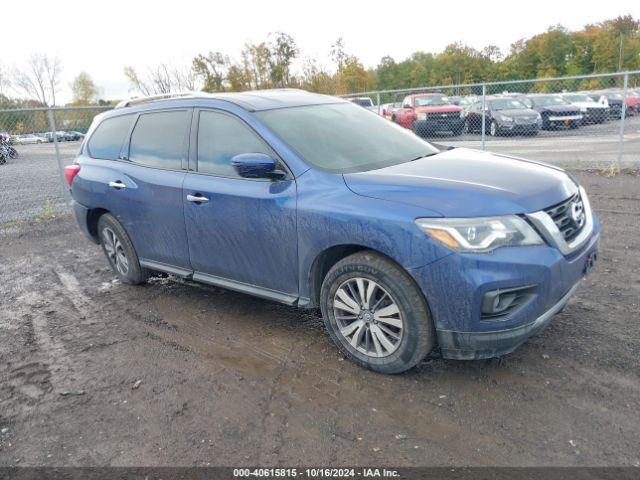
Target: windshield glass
pixel 578 98
pixel 544 101
pixel 344 138
pixel 432 100
pixel 506 104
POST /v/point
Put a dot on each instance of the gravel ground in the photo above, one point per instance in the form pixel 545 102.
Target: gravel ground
pixel 93 372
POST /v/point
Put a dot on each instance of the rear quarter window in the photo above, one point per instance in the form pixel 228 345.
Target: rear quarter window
pixel 106 142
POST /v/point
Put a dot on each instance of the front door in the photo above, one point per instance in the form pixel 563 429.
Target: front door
pixel 241 232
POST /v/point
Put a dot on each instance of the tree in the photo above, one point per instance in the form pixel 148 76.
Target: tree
pixel 5 83
pixel 283 50
pixel 39 79
pixel 161 79
pixel 83 90
pixel 213 70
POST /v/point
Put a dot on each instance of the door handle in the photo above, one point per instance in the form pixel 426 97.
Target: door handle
pixel 118 185
pixel 197 198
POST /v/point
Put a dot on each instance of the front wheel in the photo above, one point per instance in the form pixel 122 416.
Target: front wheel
pixel 376 314
pixel 119 251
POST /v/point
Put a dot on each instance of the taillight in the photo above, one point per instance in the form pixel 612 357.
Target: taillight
pixel 70 172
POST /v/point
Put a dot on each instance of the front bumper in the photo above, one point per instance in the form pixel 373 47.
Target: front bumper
pixel 435 124
pixel 456 285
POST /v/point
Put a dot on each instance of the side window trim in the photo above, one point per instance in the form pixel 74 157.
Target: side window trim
pixel 126 147
pixel 193 149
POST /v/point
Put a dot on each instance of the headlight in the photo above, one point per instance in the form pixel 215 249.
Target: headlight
pixel 422 116
pixel 462 114
pixel 583 109
pixel 480 234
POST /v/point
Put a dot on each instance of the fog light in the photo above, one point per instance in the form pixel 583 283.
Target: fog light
pixel 497 304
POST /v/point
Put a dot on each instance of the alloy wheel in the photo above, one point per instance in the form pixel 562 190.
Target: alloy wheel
pixel 115 251
pixel 368 317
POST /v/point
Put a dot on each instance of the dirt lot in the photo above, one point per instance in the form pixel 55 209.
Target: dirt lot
pixel 93 372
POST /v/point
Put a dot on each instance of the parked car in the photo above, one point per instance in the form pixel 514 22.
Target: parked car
pixel 59 134
pixel 612 100
pixel 428 113
pixel 503 116
pixel 592 111
pixel 555 111
pixel 388 109
pixel 311 201
pixel 27 139
pixel 73 136
pixel 365 102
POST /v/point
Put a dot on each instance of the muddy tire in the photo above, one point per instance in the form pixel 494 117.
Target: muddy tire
pixel 118 249
pixel 376 314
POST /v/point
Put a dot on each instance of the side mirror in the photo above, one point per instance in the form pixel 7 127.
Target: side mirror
pixel 256 165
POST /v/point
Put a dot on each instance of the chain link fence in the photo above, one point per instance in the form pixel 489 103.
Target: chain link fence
pixel 37 143
pixel 579 122
pixel 589 121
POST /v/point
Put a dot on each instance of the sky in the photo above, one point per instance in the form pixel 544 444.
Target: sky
pixel 102 37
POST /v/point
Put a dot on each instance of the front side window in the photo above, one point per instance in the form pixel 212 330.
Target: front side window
pixel 220 138
pixel 158 139
pixel 106 142
pixel 343 138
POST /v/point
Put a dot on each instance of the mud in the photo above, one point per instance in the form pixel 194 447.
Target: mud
pixel 93 372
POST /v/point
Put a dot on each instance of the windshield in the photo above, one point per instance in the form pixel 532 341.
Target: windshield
pixel 505 104
pixel 578 98
pixel 363 102
pixel 343 138
pixel 432 100
pixel 544 101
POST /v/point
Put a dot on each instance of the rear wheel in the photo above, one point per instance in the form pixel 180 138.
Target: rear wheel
pixel 119 251
pixel 376 314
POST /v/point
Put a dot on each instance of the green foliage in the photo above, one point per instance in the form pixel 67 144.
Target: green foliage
pixel 608 46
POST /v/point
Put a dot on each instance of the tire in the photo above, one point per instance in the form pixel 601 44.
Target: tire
pixel 124 262
pixel 458 131
pixel 393 119
pixel 493 129
pixel 411 324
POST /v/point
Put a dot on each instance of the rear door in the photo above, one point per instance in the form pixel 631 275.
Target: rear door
pixel 134 166
pixel 242 233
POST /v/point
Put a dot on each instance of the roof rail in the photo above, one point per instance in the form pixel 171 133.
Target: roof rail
pixel 152 98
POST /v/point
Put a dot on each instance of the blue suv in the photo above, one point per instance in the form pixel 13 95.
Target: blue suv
pixel 313 201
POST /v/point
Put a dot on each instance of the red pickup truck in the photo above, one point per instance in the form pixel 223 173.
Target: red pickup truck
pixel 427 113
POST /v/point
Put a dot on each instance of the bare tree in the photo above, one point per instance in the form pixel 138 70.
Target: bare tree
pixel 40 79
pixel 5 83
pixel 162 79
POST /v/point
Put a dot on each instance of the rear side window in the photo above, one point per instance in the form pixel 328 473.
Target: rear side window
pixel 220 138
pixel 158 139
pixel 106 142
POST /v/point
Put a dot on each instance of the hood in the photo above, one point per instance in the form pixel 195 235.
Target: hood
pixel 517 112
pixel 588 105
pixel 558 108
pixel 438 108
pixel 467 183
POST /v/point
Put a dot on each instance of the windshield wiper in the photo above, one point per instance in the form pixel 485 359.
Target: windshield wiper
pixel 423 156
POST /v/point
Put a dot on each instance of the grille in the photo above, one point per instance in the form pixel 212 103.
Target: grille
pixel 568 216
pixel 443 115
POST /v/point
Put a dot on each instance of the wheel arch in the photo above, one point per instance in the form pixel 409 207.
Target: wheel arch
pixel 93 215
pixel 326 259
